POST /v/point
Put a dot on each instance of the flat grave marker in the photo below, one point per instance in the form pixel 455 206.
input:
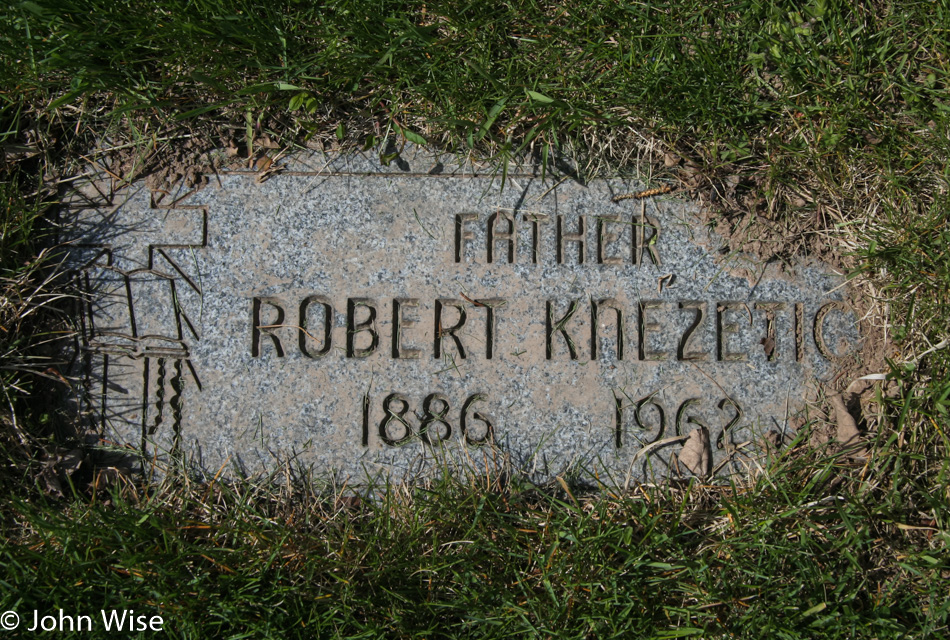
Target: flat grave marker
pixel 364 320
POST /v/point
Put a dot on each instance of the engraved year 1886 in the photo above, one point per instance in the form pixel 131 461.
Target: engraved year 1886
pixel 434 424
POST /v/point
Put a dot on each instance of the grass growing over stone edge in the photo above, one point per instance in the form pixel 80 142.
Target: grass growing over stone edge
pixel 823 123
pixel 817 547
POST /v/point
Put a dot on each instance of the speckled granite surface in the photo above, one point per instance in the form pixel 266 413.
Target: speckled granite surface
pixel 349 318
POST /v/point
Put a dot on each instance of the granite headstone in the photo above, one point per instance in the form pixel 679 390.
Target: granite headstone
pixel 363 320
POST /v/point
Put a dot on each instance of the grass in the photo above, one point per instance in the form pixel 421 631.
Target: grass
pixel 825 122
pixel 829 94
pixel 473 560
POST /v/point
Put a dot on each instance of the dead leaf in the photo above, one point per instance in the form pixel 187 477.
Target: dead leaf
pixel 267 142
pixel 859 387
pixel 696 455
pixel 847 432
pixel 263 164
pixel 671 159
pixel 769 345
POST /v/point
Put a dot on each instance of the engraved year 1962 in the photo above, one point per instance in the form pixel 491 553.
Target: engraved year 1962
pixel 728 408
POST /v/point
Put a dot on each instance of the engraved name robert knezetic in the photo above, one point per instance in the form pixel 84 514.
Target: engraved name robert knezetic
pixel 336 326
